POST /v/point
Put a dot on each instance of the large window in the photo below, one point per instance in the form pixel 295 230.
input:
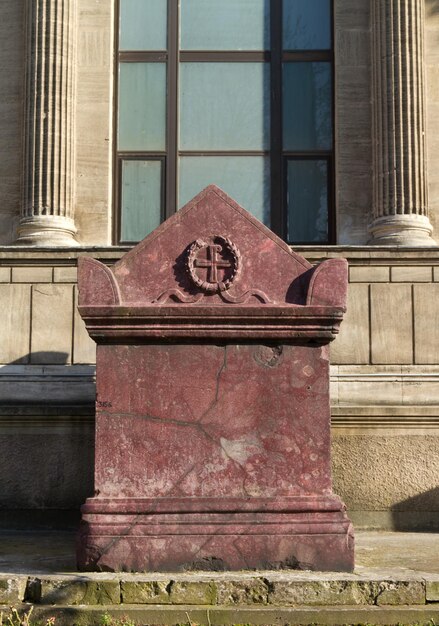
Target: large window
pixel 232 92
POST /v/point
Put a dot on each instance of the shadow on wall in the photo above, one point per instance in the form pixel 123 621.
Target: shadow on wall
pixel 432 7
pixel 46 440
pixel 419 513
pixel 43 357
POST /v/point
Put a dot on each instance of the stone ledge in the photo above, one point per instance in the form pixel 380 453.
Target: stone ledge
pixel 226 589
pixel 363 255
pixel 194 615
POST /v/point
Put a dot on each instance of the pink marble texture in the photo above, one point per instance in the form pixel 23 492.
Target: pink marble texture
pixel 212 411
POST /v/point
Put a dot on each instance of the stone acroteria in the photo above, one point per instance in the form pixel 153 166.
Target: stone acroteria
pixel 212 411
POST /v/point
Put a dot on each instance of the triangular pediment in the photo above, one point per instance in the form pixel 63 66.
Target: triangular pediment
pixel 211 250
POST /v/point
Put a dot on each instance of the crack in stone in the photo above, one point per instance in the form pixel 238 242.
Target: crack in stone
pixel 198 425
pixel 152 418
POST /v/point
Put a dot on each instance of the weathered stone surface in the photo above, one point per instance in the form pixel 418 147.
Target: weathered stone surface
pixel 391 324
pixel 213 425
pixel 84 348
pixel 15 327
pixel 322 593
pixel 353 344
pixel 192 593
pixel 396 593
pixel 410 273
pixel 369 274
pixel 432 590
pixel 228 616
pixel 52 321
pixel 254 591
pixel 145 592
pixel 5 274
pixel 94 125
pixel 356 457
pixel 426 331
pixel 12 589
pixel 65 274
pixel 32 274
pixel 79 592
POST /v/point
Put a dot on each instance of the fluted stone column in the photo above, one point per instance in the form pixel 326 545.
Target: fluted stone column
pixel 47 216
pixel 400 172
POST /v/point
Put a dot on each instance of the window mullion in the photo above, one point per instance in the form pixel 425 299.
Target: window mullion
pixel 172 106
pixel 277 217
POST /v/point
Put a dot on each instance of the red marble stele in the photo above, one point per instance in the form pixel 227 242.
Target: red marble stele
pixel 212 411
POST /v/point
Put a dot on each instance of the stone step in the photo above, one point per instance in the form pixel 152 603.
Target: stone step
pixel 197 615
pixel 228 598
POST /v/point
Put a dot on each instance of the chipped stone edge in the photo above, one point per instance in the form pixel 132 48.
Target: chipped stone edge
pixel 224 589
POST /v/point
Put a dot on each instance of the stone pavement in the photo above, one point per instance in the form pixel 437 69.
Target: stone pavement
pixel 396 581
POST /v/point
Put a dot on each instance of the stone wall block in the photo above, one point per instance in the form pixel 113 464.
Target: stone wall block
pixel 39 274
pixel 93 121
pixel 52 323
pixel 84 348
pixel 400 592
pixel 15 326
pixel 254 591
pixel 369 274
pixel 84 591
pixel 364 465
pixel 5 274
pixel 320 593
pixel 391 324
pixel 352 14
pixel 426 309
pixel 411 274
pixel 352 47
pixel 200 592
pixel 65 274
pixel 432 590
pixel 352 344
pixel 12 589
pixel 11 131
pixel 145 592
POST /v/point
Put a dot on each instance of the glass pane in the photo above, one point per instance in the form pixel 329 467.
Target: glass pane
pixel 142 106
pixel 225 24
pixel 225 106
pixel 246 179
pixel 307 201
pixel 306 24
pixel 143 25
pixel 141 198
pixel 307 110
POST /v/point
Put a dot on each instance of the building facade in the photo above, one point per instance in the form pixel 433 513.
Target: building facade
pixel 62 196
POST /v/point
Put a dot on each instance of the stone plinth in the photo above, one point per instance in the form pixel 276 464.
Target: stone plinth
pixel 212 413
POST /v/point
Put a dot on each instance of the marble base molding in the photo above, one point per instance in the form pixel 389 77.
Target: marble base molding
pixel 47 230
pixel 402 230
pixel 216 534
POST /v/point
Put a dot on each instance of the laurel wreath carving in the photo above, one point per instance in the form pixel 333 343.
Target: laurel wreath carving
pixel 236 262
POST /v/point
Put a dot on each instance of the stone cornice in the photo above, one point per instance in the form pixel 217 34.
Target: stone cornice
pixel 362 255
